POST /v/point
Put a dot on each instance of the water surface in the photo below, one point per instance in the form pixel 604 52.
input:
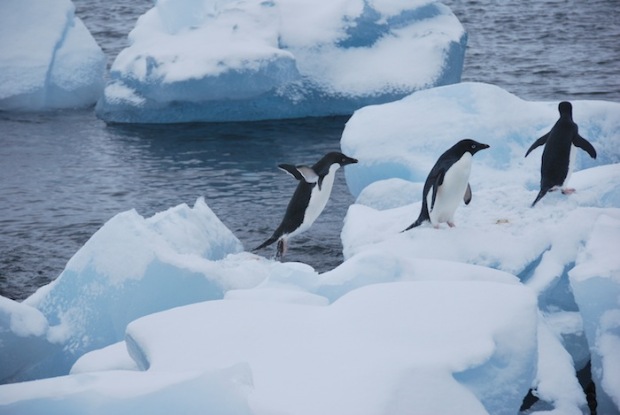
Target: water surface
pixel 64 174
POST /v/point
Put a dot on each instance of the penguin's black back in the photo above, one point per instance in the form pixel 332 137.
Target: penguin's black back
pixel 556 154
pixel 295 212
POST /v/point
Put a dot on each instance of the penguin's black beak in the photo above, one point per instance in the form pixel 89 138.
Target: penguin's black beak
pixel 347 160
pixel 480 146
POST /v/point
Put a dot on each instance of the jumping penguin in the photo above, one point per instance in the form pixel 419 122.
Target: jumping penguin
pixel 559 154
pixel 447 184
pixel 309 200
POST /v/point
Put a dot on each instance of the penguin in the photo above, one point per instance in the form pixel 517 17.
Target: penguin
pixel 309 200
pixel 448 183
pixel 560 151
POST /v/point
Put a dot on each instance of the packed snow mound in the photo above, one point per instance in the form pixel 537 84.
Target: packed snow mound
pixel 131 267
pixel 49 58
pixel 403 139
pixel 199 60
pixel 367 353
pixel 126 392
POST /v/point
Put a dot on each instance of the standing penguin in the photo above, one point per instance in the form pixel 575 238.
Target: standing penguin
pixel 447 184
pixel 559 154
pixel 310 197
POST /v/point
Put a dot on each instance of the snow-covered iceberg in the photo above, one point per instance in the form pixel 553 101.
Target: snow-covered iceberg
pixel 131 267
pixel 198 60
pixel 403 139
pixel 49 58
pixel 397 144
pixel 370 352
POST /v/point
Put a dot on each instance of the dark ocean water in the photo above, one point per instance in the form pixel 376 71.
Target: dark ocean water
pixel 64 174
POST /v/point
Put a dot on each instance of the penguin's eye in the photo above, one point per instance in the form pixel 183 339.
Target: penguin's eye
pixel 473 146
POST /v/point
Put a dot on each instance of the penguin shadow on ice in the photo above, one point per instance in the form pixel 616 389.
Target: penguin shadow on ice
pixel 447 184
pixel 559 154
pixel 309 200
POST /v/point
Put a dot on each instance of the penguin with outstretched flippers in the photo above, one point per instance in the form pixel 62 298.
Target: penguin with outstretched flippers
pixel 309 200
pixel 559 154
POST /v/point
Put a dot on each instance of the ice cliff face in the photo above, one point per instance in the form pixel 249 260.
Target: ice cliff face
pixel 251 60
pixel 48 58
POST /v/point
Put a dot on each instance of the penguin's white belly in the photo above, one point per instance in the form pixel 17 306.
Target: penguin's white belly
pixel 451 192
pixel 318 201
pixel 571 164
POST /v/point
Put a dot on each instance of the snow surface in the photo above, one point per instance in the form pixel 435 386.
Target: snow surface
pixel 562 236
pixel 49 58
pixel 199 60
pixel 168 314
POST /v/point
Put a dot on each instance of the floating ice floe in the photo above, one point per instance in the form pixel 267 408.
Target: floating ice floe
pixel 49 58
pixel 198 60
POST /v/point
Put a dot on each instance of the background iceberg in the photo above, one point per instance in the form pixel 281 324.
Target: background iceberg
pixel 194 60
pixel 49 58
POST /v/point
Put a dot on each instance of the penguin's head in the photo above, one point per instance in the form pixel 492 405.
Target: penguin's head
pixel 470 146
pixel 566 109
pixel 332 162
pixel 344 160
pixel 336 157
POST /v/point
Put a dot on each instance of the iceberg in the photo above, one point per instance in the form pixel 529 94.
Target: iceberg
pixel 170 312
pixel 49 58
pixel 562 249
pixel 198 60
pixel 403 139
pixel 131 267
pixel 365 354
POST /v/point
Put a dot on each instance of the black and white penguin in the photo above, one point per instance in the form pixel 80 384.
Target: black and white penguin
pixel 310 197
pixel 447 184
pixel 559 154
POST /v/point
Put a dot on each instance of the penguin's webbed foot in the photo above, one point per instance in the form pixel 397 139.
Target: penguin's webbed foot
pixel 568 191
pixel 451 224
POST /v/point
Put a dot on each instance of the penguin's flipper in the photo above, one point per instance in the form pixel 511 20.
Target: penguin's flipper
pixel 467 197
pixel 308 174
pixel 542 140
pixel 304 173
pixel 292 170
pixel 438 182
pixel 585 145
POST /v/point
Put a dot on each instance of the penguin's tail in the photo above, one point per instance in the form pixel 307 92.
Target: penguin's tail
pixel 541 194
pixel 421 219
pixel 268 242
